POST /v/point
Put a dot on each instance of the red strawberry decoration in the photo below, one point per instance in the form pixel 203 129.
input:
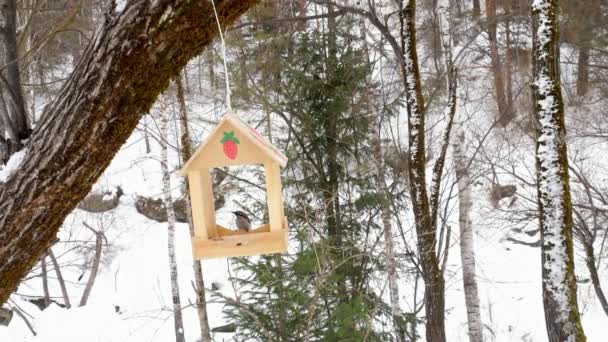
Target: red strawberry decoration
pixel 229 143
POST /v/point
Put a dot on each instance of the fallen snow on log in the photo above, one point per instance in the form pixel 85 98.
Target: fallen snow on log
pixel 6 171
pixel 120 6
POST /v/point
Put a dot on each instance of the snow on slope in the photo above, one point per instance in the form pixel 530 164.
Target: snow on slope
pixel 131 297
pixel 136 279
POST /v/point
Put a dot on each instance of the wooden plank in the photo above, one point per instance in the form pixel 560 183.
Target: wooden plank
pixel 197 200
pixel 208 208
pixel 223 231
pixel 274 196
pixel 240 245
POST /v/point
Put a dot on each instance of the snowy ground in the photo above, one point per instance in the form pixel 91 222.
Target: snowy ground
pixel 131 296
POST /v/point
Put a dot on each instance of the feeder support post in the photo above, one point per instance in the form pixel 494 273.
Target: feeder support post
pixel 203 206
pixel 274 195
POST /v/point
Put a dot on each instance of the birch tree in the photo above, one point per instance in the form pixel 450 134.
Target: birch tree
pixel 562 316
pixel 168 199
pixel 467 242
pixel 140 47
pixel 186 153
pixel 463 181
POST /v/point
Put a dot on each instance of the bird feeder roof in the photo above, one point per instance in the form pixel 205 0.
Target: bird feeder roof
pixel 234 142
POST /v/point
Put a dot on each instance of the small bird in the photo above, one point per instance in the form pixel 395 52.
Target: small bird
pixel 243 223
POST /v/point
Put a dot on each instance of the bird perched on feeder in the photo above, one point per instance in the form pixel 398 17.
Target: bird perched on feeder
pixel 243 223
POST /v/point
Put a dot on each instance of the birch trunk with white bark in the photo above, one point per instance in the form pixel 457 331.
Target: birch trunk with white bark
pixel 164 165
pixel 467 246
pixel 131 60
pixel 467 238
pixel 389 243
pixel 186 153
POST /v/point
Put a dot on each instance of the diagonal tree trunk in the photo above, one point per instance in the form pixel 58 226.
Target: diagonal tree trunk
pixel 562 316
pixel 130 61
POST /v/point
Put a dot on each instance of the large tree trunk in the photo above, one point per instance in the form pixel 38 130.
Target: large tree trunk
pixel 434 296
pixel 168 199
pixel 186 153
pixel 129 62
pixel 562 316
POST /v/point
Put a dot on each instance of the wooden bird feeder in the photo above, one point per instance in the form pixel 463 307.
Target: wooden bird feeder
pixel 234 142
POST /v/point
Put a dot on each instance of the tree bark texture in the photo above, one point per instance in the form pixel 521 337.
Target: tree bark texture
pixel 129 62
pixel 562 316
pixel 186 153
pixel 434 298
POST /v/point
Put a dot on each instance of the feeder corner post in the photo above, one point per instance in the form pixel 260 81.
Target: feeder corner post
pixel 202 201
pixel 274 194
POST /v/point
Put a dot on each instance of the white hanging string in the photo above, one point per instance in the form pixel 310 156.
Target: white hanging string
pixel 219 27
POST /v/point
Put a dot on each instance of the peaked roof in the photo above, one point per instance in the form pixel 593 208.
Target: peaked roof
pixel 258 141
